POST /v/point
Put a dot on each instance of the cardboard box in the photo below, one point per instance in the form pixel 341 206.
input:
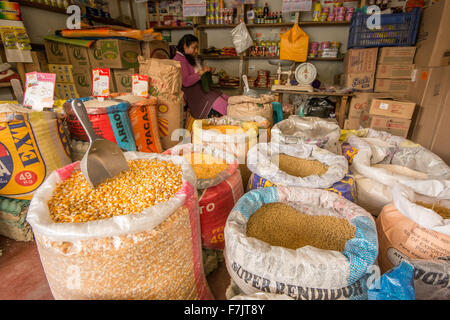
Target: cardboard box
pixel 79 56
pixel 401 71
pixel 392 108
pixel 360 82
pixel 63 72
pixel 114 53
pixel 82 77
pixel 158 49
pixel 361 102
pixel 351 124
pixel 392 85
pixel 39 63
pixel 434 32
pixel 122 79
pixel 441 141
pixel 396 126
pixel 396 55
pixel 360 60
pixel 56 52
pixel 428 85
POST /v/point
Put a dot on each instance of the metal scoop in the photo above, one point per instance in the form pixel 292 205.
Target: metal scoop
pixel 247 91
pixel 103 159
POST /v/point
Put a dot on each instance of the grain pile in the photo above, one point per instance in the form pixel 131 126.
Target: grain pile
pixel 279 224
pixel 146 183
pixel 442 211
pixel 205 165
pixel 299 167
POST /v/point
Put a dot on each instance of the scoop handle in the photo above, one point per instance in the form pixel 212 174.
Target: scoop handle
pixel 80 111
pixel 244 77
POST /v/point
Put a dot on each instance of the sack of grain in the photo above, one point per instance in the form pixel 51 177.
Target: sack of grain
pixel 110 252
pixel 109 120
pixel 12 219
pixel 32 145
pixel 379 160
pixel 234 293
pixel 243 107
pixel 232 136
pixel 322 244
pixel 324 133
pixel 431 278
pixel 165 84
pixel 144 122
pixel 219 185
pixel 299 165
pixel 408 229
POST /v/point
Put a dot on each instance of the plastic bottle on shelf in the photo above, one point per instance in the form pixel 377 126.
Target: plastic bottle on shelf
pixel 317 11
pixel 266 10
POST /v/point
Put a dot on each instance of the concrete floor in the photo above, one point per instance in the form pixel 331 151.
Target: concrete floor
pixel 22 276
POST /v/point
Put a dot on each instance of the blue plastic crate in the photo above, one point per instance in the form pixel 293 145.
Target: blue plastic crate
pixel 397 30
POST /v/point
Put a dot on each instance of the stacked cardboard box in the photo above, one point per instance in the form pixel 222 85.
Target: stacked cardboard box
pixel 394 69
pixel 359 69
pixel 65 86
pixel 431 81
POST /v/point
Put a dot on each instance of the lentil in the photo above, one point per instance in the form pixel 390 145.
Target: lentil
pixel 146 183
pixel 205 165
pixel 442 211
pixel 279 224
pixel 299 167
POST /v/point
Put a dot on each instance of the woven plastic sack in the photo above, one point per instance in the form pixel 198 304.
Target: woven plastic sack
pixel 243 107
pixel 234 293
pixel 155 254
pixel 242 39
pixel 294 45
pixel 144 122
pixel 379 160
pixel 12 219
pixel 397 284
pixel 109 120
pixel 431 278
pixel 255 129
pixel 217 195
pixel 407 230
pixel 32 145
pixel 324 133
pixel 307 273
pixel 266 173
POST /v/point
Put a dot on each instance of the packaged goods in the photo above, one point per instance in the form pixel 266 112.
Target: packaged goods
pixel 206 131
pixel 12 219
pixel 165 84
pixel 307 273
pixel 361 61
pixel 409 231
pixel 144 122
pixel 109 119
pixel 219 185
pixel 397 284
pixel 299 165
pixel 32 145
pixel 392 108
pixel 396 55
pixel 242 107
pixel 395 126
pixel 152 253
pixel 374 183
pixel 323 133
pixel 114 53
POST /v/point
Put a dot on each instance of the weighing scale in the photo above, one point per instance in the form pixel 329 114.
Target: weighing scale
pixel 305 74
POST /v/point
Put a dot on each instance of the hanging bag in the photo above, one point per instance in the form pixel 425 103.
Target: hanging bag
pixel 294 45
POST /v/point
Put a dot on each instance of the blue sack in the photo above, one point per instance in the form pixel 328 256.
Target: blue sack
pixel 396 284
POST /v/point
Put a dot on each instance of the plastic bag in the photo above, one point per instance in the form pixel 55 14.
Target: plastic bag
pixel 154 254
pixel 307 273
pixel 397 284
pixel 242 39
pixel 323 133
pixel 294 45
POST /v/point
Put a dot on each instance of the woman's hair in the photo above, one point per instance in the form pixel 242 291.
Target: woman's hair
pixel 187 40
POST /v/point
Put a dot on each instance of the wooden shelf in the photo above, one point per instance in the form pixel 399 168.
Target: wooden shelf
pixel 5 84
pixel 63 11
pixel 331 94
pixel 274 25
pixel 212 57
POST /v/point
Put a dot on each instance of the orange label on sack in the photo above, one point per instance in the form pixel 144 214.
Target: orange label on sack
pixel 22 168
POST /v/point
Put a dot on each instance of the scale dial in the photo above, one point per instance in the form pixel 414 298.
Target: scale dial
pixel 305 73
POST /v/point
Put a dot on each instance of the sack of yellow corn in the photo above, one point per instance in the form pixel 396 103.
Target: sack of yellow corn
pixel 219 185
pixel 233 136
pixel 135 236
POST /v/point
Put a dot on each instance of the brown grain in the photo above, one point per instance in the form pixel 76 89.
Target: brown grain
pixel 442 211
pixel 278 224
pixel 299 167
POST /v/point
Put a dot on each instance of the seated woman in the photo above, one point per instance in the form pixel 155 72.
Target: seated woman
pixel 201 104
